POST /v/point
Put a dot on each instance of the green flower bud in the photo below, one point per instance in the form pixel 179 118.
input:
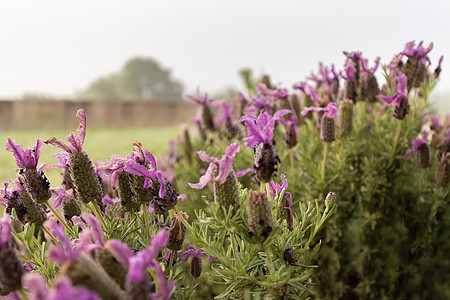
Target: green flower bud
pixel 35 213
pixel 423 156
pixel 327 129
pixel 36 184
pixel 140 195
pixel 70 208
pixel 227 194
pixel 85 271
pixel 124 191
pixel 345 118
pixel 116 270
pixel 207 117
pixel 443 171
pixel 177 233
pixel 85 180
pixel 259 215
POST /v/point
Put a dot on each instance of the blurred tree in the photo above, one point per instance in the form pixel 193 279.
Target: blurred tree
pixel 140 78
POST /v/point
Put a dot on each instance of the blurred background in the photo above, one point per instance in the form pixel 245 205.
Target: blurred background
pixel 130 64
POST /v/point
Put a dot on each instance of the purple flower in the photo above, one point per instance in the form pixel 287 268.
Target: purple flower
pixel 225 166
pixel 349 71
pixel 416 144
pixel 97 231
pixel 63 289
pixel 367 70
pixel 203 100
pixel 138 263
pixel 191 251
pixel 419 52
pixel 308 90
pixel 401 92
pixel 330 110
pixel 75 139
pixel 260 130
pixel 25 159
pixel 59 195
pixel 292 121
pixel 66 251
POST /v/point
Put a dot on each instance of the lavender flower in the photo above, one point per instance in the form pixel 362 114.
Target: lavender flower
pixel 196 262
pixel 82 172
pixel 260 134
pixel 291 131
pixel 34 180
pixel 138 263
pixel 369 83
pixel 438 69
pixel 207 115
pixel 259 215
pixel 308 90
pixel 422 147
pixel 285 212
pixel 399 99
pixel 420 53
pixel 327 125
pixel 415 69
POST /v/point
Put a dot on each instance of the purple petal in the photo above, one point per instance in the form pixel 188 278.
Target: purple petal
pixel 18 153
pixel 311 108
pixel 78 222
pixel 232 149
pixel 401 86
pixel 36 284
pixel 331 111
pixel 282 112
pixel 204 157
pixel 225 167
pixel 60 144
pixel 182 197
pixel 243 172
pixel 204 179
pixel 5 231
pixel 210 258
pixel 97 231
pixel 136 268
pixel 122 252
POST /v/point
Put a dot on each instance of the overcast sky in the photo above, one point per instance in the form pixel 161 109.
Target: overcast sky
pixel 56 47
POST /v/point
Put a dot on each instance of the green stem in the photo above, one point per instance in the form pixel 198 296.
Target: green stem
pixel 96 210
pixel 147 228
pixel 324 160
pixel 23 295
pixel 268 193
pixel 261 187
pixel 292 159
pixel 397 135
pixel 50 234
pixel 61 220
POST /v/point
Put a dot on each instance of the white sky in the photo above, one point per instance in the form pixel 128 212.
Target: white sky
pixel 56 47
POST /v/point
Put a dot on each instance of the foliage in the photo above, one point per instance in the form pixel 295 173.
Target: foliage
pixel 140 79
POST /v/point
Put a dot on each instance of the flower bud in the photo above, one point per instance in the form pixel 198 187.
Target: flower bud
pixel 13 202
pixel 207 117
pixel 196 267
pixel 259 215
pixel 266 161
pixel 289 255
pixel 85 180
pixel 162 205
pixel 402 110
pixel 35 213
pixel 187 145
pixel 370 88
pixel 351 90
pixel 285 212
pixel 36 184
pixel 415 71
pixel 266 80
pixel 423 156
pixel 124 191
pixel 327 129
pixel 140 195
pixel 70 208
pixel 11 268
pixel 345 118
pixel 291 136
pixel 201 132
pixel 295 101
pixel 443 171
pixel 85 271
pixel 177 233
pixel 227 194
pixel 116 270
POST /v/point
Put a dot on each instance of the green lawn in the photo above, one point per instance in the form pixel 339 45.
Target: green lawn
pixel 99 144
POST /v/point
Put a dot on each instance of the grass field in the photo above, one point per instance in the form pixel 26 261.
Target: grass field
pixel 99 144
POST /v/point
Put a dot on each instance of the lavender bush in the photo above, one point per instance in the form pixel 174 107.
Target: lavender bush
pixel 213 218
